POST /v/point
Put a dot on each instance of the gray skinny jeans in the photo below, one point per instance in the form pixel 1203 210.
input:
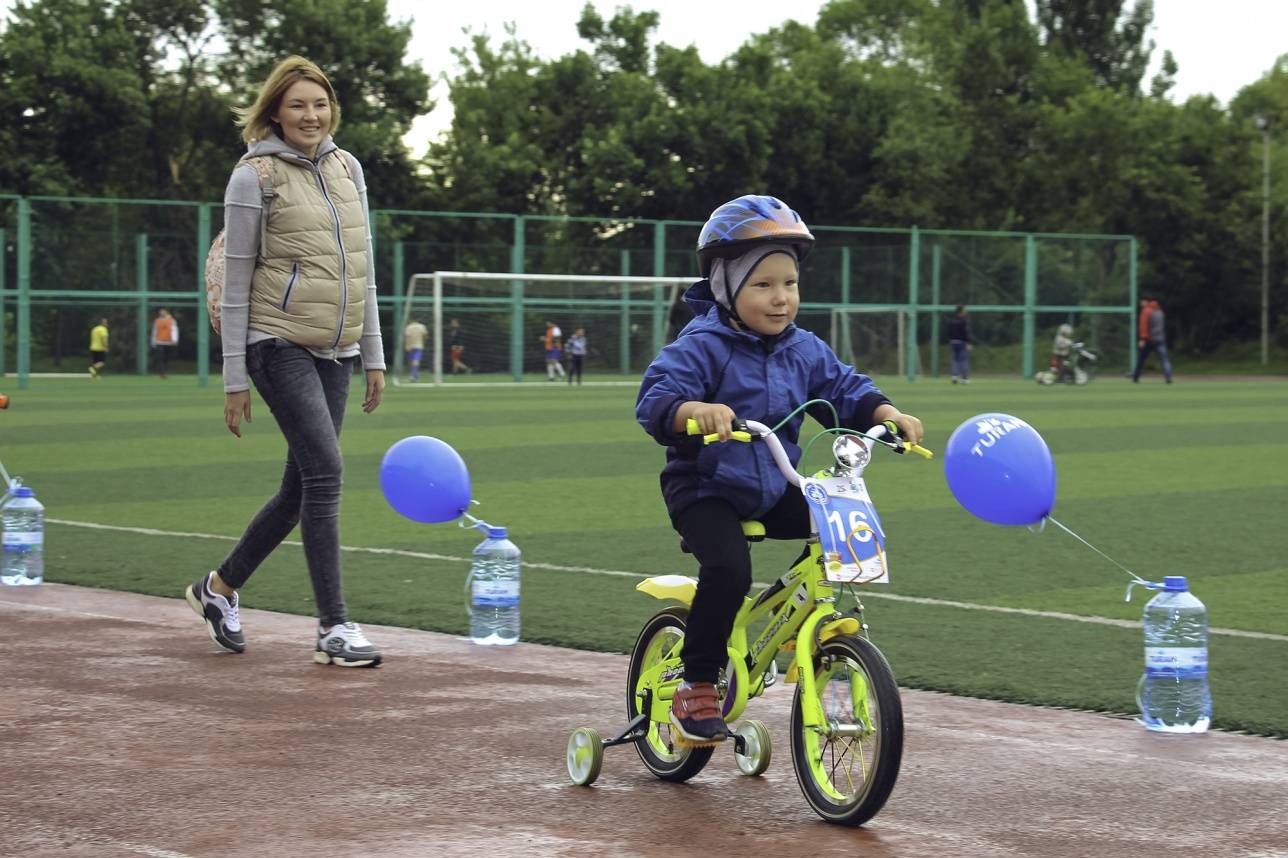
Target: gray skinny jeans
pixel 307 396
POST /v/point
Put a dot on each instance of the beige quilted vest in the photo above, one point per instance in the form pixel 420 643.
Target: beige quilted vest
pixel 310 280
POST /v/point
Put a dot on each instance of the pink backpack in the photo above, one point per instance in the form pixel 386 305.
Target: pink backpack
pixel 215 264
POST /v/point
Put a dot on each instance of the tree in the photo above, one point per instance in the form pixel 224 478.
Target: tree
pixel 1113 46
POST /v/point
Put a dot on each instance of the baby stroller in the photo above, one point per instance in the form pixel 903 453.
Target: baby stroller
pixel 1072 362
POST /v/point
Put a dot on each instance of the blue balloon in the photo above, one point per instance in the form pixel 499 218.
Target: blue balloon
pixel 1000 469
pixel 425 479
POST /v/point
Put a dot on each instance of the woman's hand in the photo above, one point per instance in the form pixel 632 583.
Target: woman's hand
pixel 910 426
pixel 236 406
pixel 375 390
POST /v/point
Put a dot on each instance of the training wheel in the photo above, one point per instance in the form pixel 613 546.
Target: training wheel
pixel 755 736
pixel 585 756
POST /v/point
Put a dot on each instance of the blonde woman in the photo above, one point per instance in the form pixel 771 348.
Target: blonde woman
pixel 298 308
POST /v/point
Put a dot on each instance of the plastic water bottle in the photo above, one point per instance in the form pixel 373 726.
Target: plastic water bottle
pixel 1173 693
pixel 494 590
pixel 24 539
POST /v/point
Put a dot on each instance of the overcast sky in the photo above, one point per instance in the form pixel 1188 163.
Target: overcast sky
pixel 1220 47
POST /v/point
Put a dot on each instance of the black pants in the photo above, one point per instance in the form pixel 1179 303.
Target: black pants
pixel 162 360
pixel 713 532
pixel 306 396
pixel 574 367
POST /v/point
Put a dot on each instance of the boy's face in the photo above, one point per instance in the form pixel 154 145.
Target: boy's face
pixel 768 302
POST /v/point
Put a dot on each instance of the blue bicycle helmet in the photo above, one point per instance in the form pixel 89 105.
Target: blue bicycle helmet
pixel 749 220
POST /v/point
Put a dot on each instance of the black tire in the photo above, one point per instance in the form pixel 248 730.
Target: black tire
pixel 831 788
pixel 660 754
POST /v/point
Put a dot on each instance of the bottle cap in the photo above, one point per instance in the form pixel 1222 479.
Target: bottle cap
pixel 1175 584
pixel 23 492
pixel 501 533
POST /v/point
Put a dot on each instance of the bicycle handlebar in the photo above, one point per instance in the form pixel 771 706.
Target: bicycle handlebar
pixel 747 431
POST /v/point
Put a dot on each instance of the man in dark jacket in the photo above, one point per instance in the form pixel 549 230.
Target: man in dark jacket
pixel 1151 338
pixel 960 339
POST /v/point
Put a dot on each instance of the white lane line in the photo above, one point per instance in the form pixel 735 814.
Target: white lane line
pixel 616 573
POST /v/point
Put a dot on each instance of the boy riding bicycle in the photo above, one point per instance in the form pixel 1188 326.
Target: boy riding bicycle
pixel 741 355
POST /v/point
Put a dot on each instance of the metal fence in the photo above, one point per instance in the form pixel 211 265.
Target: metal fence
pixel 67 262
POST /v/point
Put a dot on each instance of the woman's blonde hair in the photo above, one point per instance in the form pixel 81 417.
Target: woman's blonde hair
pixel 256 121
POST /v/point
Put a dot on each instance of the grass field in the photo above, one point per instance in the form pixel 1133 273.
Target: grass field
pixel 146 489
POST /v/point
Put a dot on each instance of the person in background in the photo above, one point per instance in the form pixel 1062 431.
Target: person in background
pixel 414 346
pixel 456 348
pixel 961 341
pixel 576 354
pixel 98 349
pixel 552 340
pixel 298 308
pixel 1060 351
pixel 1151 337
pixel 165 336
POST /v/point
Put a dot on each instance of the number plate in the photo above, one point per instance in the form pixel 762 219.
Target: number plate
pixel 848 528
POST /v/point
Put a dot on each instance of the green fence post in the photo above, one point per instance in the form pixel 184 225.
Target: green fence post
pixel 141 338
pixel 659 292
pixel 1030 300
pixel 1131 307
pixel 3 265
pixel 624 347
pixel 516 307
pixel 843 336
pixel 914 275
pixel 203 315
pixel 400 276
pixel 23 351
pixel 936 254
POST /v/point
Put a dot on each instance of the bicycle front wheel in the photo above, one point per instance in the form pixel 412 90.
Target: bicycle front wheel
pixel 847 767
pixel 660 641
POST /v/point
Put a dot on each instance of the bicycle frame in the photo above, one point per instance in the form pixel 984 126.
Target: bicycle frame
pixel 799 615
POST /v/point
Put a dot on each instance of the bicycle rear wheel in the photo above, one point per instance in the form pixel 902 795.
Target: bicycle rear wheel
pixel 659 641
pixel 847 768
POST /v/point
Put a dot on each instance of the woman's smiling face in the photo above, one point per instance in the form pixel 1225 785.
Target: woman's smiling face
pixel 304 116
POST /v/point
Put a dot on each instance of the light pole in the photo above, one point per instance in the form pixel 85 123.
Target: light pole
pixel 1264 124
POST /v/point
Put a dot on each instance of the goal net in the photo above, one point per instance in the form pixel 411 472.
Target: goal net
pixel 491 326
pixel 872 340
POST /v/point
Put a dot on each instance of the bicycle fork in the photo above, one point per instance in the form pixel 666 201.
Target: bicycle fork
pixel 822 625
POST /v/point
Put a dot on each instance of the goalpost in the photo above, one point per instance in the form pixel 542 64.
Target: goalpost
pixel 871 339
pixel 492 325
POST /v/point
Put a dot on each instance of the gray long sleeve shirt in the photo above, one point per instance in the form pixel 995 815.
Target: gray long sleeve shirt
pixel 242 205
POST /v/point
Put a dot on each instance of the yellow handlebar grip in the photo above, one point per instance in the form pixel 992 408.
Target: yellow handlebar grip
pixel 919 450
pixel 691 427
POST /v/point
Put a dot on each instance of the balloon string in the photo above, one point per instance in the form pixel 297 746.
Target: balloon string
pixel 1138 579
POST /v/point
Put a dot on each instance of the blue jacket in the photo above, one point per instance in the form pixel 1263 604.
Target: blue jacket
pixel 760 378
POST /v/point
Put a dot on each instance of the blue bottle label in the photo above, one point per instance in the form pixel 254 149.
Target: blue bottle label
pixel 23 540
pixel 495 594
pixel 1183 662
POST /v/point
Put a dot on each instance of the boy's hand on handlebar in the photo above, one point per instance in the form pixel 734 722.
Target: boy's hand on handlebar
pixel 909 426
pixel 712 418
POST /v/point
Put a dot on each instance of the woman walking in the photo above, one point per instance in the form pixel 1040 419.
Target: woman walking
pixel 298 308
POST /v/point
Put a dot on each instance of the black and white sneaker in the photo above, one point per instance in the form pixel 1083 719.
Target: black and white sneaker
pixel 219 613
pixel 345 645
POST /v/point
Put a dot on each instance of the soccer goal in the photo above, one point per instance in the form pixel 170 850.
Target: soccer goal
pixel 871 339
pixel 493 326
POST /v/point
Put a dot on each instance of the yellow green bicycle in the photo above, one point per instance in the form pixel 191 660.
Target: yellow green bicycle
pixel 846 718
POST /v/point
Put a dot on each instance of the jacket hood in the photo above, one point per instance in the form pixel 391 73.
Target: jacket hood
pixel 274 145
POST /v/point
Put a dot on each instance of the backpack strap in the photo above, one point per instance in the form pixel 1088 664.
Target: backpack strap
pixel 264 170
pixel 349 162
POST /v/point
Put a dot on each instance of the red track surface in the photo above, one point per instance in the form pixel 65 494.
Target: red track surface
pixel 124 732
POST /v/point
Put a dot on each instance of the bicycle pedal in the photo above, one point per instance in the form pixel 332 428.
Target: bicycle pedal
pixel 692 744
